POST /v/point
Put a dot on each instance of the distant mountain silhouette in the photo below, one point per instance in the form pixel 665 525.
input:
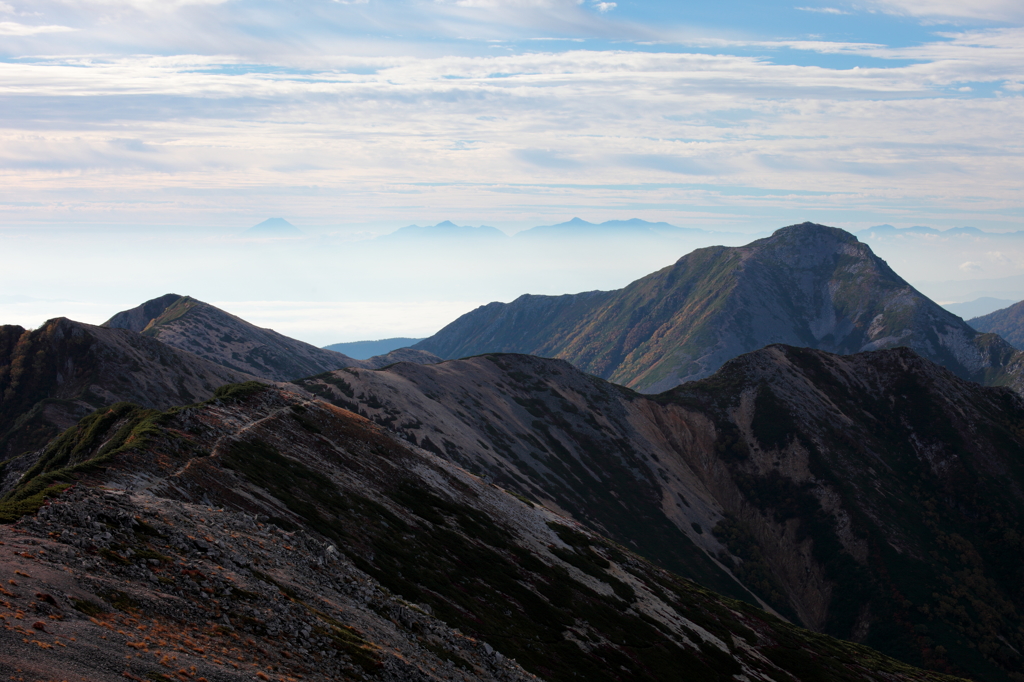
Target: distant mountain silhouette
pixel 978 307
pixel 577 227
pixel 444 231
pixel 362 350
pixel 273 227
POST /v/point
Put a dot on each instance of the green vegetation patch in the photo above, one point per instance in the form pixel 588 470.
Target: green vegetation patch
pixel 119 600
pixel 233 393
pixel 89 608
pixel 96 439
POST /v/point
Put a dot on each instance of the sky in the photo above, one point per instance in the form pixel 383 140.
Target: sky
pixel 139 137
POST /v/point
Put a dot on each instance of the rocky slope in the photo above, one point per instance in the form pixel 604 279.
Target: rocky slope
pixel 52 376
pixel 204 330
pixel 1008 323
pixel 265 536
pixel 806 285
pixel 875 496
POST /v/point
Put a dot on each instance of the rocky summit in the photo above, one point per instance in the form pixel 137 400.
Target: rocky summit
pixel 187 324
pixel 263 535
pixel 806 285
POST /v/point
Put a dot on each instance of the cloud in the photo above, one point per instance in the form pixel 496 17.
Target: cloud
pixel 144 5
pixel 822 10
pixel 992 10
pixel 970 266
pixel 517 4
pixel 10 28
pixel 605 6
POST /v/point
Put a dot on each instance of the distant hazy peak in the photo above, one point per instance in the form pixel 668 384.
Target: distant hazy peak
pixel 273 227
pixel 138 318
pixel 445 229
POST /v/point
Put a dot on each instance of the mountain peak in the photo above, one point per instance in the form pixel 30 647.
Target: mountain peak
pixel 138 318
pixel 806 285
pixel 808 229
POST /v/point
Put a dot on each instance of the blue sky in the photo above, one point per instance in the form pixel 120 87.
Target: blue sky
pixel 353 118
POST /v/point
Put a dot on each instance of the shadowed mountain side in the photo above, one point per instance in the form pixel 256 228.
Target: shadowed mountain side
pixel 52 376
pixel 139 318
pixel 221 337
pixel 827 484
pixel 806 285
pixel 1008 323
pixel 396 566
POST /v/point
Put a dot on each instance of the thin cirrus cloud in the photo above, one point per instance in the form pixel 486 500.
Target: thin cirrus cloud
pixel 12 28
pixel 823 10
pixel 992 10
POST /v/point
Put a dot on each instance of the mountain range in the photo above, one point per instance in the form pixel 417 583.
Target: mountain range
pixel 806 285
pixel 831 494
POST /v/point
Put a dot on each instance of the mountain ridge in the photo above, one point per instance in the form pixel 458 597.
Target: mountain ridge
pixel 287 536
pixel 52 376
pixel 818 482
pixel 209 332
pixel 1007 322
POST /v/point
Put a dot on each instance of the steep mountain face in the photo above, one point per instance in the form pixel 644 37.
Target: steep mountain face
pixel 263 535
pixel 209 332
pixel 875 496
pixel 561 437
pixel 52 376
pixel 806 285
pixel 1008 323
